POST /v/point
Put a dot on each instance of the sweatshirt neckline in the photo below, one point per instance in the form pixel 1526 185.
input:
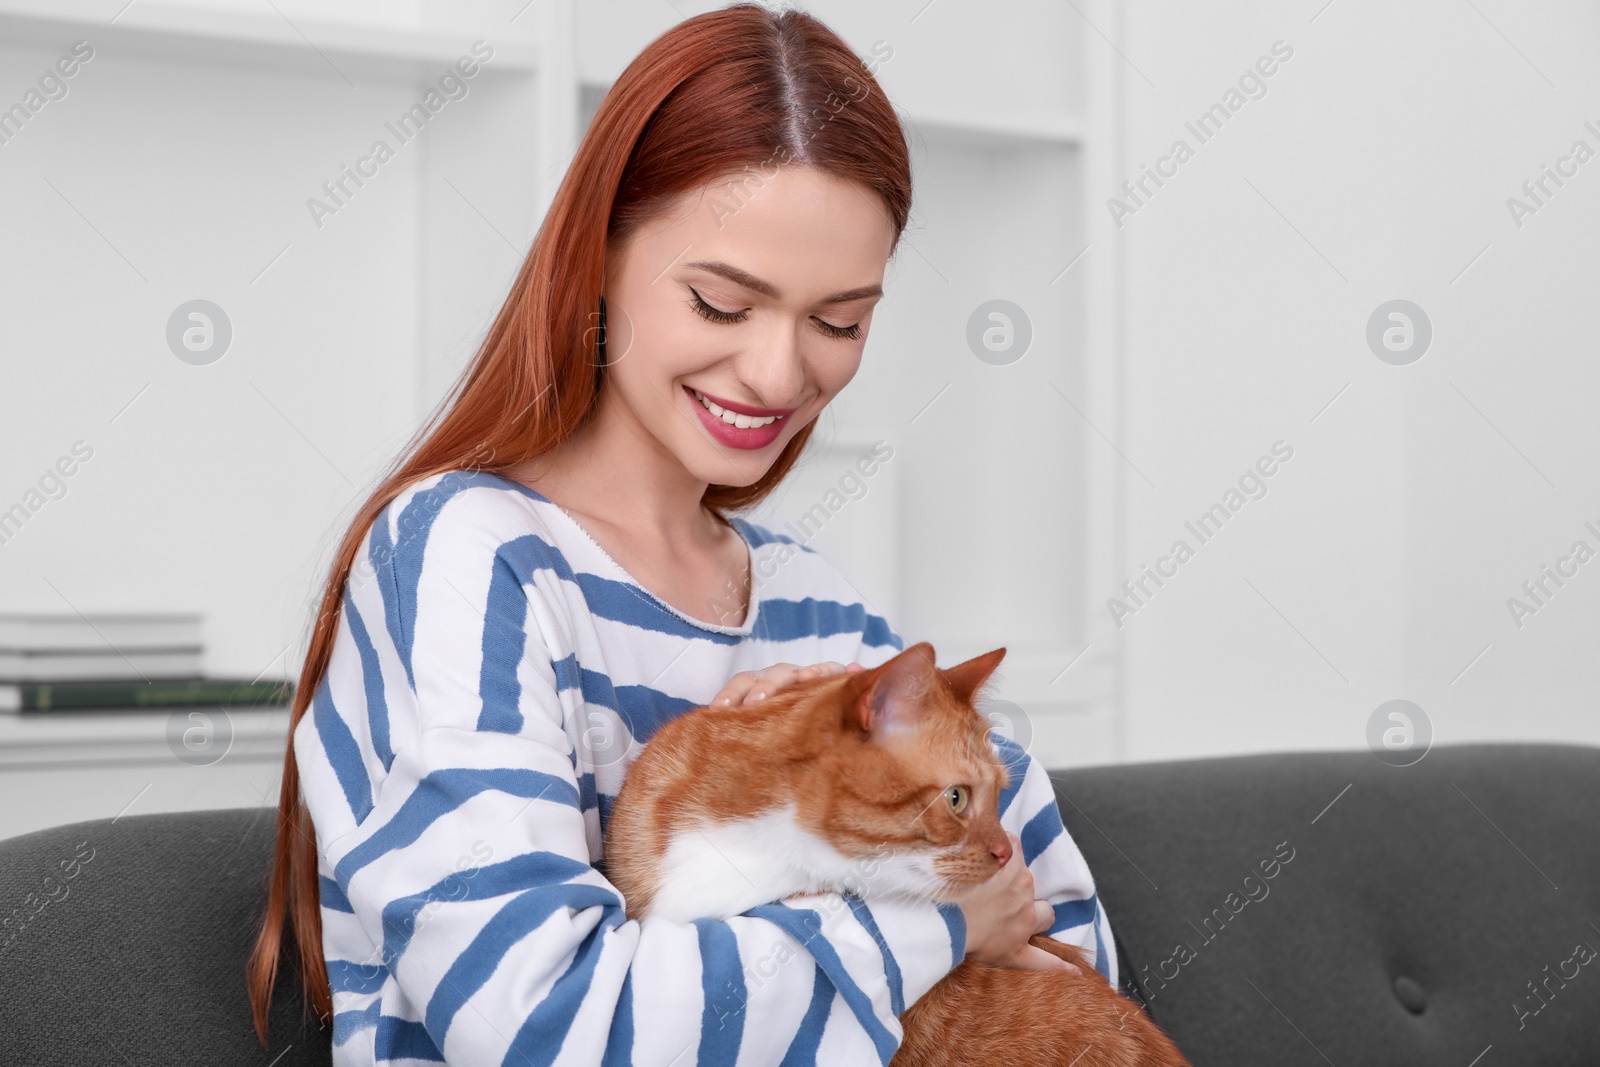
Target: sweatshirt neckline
pixel 752 610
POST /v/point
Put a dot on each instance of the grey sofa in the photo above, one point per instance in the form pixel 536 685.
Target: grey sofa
pixel 1282 909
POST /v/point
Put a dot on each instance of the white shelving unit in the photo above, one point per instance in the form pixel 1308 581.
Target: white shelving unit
pixel 220 118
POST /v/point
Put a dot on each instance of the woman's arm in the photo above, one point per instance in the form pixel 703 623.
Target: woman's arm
pixel 525 945
pixel 1060 875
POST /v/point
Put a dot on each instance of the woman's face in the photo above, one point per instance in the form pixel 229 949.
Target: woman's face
pixel 757 295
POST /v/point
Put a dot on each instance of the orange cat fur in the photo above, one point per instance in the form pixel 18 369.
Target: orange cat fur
pixel 880 783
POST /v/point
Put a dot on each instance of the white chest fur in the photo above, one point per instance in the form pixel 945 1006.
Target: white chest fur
pixel 723 869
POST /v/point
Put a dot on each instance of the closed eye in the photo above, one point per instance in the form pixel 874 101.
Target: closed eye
pixel 706 311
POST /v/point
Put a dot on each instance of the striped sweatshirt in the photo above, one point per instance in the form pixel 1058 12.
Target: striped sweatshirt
pixel 493 675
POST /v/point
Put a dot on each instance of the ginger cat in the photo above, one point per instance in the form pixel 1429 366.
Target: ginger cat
pixel 800 789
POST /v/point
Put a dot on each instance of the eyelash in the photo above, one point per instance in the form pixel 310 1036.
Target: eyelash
pixel 705 310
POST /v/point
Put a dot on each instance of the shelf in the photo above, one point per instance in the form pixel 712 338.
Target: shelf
pixel 174 31
pixel 1013 130
pixel 32 741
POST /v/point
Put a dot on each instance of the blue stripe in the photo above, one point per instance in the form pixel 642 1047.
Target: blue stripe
pixel 415 523
pixel 646 710
pixel 624 603
pixel 346 1024
pixel 1015 758
pixel 331 896
pixel 504 640
pixel 372 683
pixel 348 976
pixel 722 983
pixel 1040 831
pixel 380 557
pixel 877 632
pixel 541 1033
pixel 792 620
pixel 956 921
pixel 405 571
pixel 442 792
pixel 803 1049
pixel 891 966
pixel 619 1045
pixel 342 751
pixel 805 926
pixel 567 673
pixel 1073 913
pixel 1100 949
pixel 757 535
pixel 402 1039
pixel 399 916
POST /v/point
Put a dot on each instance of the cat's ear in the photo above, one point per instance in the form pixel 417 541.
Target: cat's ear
pixel 894 694
pixel 966 678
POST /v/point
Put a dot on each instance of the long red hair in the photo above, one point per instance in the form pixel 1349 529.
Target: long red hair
pixel 729 93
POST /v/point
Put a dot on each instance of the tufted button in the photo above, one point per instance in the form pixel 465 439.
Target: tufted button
pixel 1410 994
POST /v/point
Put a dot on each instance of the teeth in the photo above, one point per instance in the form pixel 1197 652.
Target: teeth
pixel 743 422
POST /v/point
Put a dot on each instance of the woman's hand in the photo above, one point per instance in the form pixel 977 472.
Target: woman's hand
pixel 1002 914
pixel 749 687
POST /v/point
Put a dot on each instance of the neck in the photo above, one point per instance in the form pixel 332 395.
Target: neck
pixel 615 470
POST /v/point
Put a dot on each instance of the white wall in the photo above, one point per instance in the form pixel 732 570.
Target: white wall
pixel 1377 166
pixel 1380 563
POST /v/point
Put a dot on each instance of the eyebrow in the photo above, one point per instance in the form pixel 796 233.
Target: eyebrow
pixel 765 288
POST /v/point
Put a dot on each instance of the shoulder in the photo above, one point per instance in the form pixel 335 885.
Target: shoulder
pixel 804 593
pixel 462 516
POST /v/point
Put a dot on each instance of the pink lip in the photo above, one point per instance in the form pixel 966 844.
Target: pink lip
pixel 752 438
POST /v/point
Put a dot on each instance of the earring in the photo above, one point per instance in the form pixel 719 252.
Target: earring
pixel 601 343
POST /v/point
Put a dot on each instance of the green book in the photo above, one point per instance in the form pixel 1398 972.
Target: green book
pixel 74 696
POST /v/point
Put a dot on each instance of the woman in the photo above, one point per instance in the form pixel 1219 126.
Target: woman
pixel 551 572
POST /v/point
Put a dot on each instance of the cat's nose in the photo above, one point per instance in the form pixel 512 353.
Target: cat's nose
pixel 1002 850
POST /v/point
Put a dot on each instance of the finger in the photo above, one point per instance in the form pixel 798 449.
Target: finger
pixel 771 680
pixel 1034 958
pixel 1044 916
pixel 851 668
pixel 730 696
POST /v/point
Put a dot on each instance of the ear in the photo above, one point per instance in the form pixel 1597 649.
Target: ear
pixel 966 678
pixel 892 696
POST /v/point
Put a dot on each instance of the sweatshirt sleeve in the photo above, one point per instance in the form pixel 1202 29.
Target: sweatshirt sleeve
pixel 1060 874
pixel 499 941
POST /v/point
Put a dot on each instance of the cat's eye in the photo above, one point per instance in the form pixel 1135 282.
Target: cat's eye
pixel 957 795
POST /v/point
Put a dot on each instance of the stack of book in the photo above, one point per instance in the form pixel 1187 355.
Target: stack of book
pixel 148 661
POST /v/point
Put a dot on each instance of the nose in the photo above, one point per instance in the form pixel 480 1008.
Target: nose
pixel 1001 850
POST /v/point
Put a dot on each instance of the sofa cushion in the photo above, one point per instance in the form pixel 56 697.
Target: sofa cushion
pixel 131 947
pixel 1317 908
